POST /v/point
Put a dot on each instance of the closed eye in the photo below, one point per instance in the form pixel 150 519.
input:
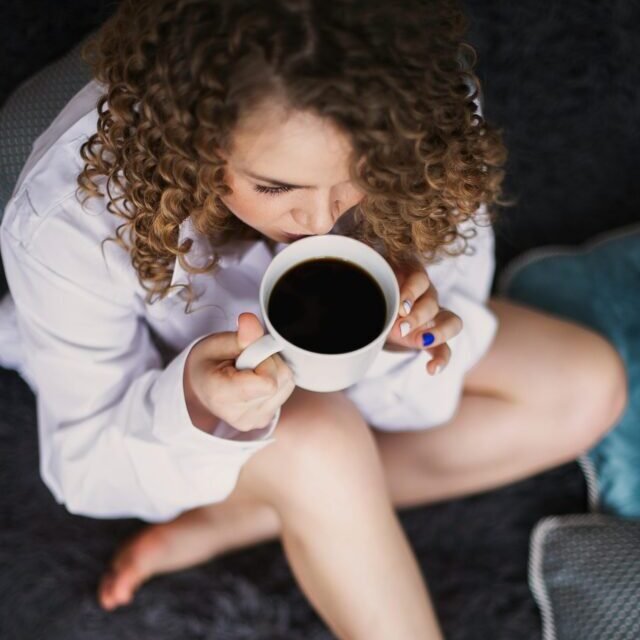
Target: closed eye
pixel 271 190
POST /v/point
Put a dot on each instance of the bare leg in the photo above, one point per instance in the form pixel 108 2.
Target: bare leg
pixel 323 479
pixel 192 538
pixel 545 392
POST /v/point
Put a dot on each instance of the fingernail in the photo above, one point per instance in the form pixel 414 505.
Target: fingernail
pixel 427 339
pixel 438 369
pixel 406 305
pixel 430 324
pixel 405 327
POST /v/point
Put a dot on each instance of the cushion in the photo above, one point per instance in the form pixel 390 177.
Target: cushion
pixel 26 114
pixel 584 576
pixel 598 286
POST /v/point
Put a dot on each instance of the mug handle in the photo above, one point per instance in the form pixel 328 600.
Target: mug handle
pixel 257 351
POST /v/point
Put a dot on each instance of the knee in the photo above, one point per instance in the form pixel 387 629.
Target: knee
pixel 323 434
pixel 323 447
pixel 599 391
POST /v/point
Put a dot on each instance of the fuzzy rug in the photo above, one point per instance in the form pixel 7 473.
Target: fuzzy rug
pixel 560 80
pixel 473 552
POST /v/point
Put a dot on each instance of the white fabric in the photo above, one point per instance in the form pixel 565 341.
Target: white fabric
pixel 107 369
pixel 11 350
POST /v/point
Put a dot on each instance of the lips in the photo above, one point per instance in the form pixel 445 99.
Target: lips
pixel 292 236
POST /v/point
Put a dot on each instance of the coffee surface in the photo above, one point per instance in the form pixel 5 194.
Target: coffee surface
pixel 327 305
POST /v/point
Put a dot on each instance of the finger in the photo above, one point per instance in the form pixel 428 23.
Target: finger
pixel 268 405
pixel 441 356
pixel 412 288
pixel 271 405
pixel 257 384
pixel 244 385
pixel 268 368
pixel 424 312
pixel 249 330
pixel 284 372
pixel 445 326
pixel 259 414
pixel 230 344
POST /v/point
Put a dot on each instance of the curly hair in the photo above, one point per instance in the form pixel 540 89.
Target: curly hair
pixel 397 78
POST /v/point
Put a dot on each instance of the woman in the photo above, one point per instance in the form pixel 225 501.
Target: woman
pixel 223 130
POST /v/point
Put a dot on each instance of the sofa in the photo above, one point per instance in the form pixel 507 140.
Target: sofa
pixel 561 82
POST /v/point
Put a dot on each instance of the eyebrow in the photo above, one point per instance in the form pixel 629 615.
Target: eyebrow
pixel 278 183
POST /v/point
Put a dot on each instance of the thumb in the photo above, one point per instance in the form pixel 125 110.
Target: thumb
pixel 249 329
pixel 227 345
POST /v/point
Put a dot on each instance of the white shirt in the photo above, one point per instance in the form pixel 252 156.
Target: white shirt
pixel 115 435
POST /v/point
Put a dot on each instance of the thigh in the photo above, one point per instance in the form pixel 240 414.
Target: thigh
pixel 535 356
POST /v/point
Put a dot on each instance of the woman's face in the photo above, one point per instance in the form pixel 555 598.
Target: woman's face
pixel 289 174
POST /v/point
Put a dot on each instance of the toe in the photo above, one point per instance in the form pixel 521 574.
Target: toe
pixel 105 592
pixel 117 589
pixel 120 582
pixel 126 584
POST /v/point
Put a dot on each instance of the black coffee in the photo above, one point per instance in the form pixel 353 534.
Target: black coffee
pixel 327 305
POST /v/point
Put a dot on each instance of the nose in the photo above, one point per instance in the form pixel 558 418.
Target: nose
pixel 322 217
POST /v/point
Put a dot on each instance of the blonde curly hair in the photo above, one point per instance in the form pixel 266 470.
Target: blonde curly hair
pixel 396 77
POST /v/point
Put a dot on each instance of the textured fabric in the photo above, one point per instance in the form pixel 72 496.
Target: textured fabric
pixel 11 352
pixel 585 577
pixel 25 114
pixel 473 552
pixel 598 286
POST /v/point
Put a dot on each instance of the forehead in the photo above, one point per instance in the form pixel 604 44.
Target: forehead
pixel 295 146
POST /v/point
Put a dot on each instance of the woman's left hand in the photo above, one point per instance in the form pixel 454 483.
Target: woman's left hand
pixel 422 323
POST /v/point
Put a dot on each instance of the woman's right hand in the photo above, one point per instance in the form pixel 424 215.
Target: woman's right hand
pixel 216 390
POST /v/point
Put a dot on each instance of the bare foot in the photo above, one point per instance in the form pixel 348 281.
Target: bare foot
pixel 159 548
pixel 192 538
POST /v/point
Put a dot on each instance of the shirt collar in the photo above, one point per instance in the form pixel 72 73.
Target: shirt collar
pixel 201 252
pixel 198 255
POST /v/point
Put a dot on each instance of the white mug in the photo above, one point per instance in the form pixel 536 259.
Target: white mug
pixel 323 371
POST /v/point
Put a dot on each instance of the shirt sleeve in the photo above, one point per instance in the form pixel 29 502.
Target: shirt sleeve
pixel 464 285
pixel 115 435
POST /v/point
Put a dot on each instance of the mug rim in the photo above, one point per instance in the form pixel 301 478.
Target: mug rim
pixel 322 239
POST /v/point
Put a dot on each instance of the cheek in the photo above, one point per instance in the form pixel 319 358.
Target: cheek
pixel 356 198
pixel 352 195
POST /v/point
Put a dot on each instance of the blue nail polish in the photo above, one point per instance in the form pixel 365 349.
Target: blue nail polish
pixel 427 339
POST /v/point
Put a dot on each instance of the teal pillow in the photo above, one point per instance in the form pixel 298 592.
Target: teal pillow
pixel 597 285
